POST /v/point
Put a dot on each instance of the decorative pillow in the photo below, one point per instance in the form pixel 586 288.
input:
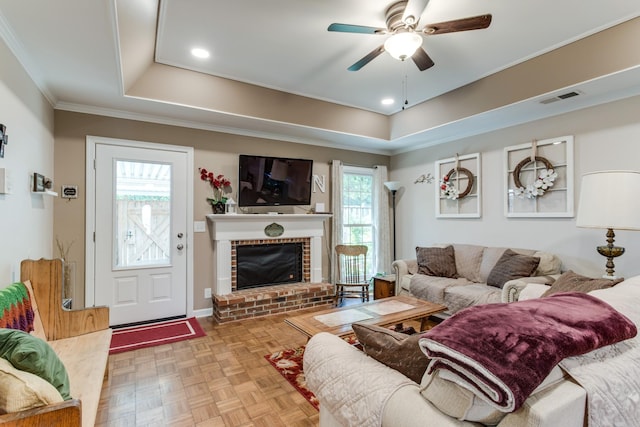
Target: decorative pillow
pixel 394 349
pixel 512 265
pixel 29 353
pixel 20 390
pixel 433 261
pixel 573 282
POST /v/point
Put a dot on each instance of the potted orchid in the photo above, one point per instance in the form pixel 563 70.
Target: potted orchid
pixel 220 186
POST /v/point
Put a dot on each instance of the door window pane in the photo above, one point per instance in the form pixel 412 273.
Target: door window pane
pixel 142 214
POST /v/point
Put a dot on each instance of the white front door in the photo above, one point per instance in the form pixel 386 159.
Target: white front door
pixel 140 257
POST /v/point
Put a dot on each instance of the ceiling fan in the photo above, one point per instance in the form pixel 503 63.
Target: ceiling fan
pixel 405 39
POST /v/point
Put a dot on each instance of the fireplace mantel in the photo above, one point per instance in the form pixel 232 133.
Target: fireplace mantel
pixel 225 228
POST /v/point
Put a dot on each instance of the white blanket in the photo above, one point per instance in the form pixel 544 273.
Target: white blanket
pixel 611 375
pixel 327 360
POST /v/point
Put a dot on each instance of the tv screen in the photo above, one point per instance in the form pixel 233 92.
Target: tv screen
pixel 274 181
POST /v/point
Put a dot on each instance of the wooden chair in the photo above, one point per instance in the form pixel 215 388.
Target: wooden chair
pixel 352 269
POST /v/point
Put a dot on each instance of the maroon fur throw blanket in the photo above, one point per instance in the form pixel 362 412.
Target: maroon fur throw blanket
pixel 502 352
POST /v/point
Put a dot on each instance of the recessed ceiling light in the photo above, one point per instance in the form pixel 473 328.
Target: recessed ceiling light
pixel 200 53
pixel 387 101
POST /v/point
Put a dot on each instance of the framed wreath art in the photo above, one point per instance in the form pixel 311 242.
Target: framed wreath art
pixel 458 191
pixel 543 182
pixel 539 178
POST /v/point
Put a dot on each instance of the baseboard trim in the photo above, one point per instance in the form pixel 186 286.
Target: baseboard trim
pixel 204 312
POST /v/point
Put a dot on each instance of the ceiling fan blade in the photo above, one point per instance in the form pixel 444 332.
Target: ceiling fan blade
pixel 366 59
pixel 465 24
pixel 422 60
pixel 360 29
pixel 413 11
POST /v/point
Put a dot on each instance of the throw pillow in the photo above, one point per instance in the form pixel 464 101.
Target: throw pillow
pixel 512 265
pixel 21 390
pixel 394 349
pixel 29 353
pixel 573 282
pixel 433 261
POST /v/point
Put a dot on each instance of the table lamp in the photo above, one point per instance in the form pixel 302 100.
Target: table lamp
pixel 609 200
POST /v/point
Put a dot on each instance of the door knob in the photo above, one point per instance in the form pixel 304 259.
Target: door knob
pixel 180 235
pixel 180 246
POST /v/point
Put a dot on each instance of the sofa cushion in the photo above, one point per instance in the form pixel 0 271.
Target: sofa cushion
pixel 573 282
pixel 457 298
pixel 434 261
pixel 431 288
pixel 394 349
pixel 512 265
pixel 549 264
pixel 31 354
pixel 468 260
pixel 21 390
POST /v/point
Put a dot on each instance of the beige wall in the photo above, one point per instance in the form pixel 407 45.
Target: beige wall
pixel 212 150
pixel 606 138
pixel 26 219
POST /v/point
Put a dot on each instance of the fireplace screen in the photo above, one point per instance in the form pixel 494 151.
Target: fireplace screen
pixel 270 264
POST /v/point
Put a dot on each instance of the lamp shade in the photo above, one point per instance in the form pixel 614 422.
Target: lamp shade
pixel 403 45
pixel 392 185
pixel 610 199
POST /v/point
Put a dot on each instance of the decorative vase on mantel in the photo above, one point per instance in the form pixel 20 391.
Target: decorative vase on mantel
pixel 218 207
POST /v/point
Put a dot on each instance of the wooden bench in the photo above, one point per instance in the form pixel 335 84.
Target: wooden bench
pixel 80 338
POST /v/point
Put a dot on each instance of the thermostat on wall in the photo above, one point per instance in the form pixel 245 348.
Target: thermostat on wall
pixel 70 191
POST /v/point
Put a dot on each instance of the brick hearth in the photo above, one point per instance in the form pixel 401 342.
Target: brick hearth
pixel 257 302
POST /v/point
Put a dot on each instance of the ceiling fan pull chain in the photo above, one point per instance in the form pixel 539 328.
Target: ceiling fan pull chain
pixel 404 91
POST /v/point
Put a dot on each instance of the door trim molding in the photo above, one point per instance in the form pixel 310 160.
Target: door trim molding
pixel 90 185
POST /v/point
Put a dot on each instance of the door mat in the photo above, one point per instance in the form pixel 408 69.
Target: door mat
pixel 154 334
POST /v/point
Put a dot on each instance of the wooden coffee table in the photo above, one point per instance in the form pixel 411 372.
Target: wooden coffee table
pixel 381 312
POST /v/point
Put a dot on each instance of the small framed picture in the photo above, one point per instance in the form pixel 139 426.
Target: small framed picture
pixel 38 182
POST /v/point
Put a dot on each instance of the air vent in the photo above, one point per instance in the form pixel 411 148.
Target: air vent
pixel 568 95
pixel 560 97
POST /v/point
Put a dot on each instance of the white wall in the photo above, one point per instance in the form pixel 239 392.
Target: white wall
pixel 26 220
pixel 606 137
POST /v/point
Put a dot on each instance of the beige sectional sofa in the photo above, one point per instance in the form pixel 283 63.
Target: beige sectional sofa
pixel 474 265
pixel 354 389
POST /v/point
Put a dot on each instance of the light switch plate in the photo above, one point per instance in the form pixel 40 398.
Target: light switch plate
pixel 199 227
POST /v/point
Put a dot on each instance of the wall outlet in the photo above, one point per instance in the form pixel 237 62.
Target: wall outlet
pixel 207 292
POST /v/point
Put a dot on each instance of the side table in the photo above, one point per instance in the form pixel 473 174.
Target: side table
pixel 384 286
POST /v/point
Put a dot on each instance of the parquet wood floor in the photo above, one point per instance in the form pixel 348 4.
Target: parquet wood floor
pixel 218 380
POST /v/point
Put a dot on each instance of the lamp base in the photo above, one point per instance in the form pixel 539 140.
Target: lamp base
pixel 610 252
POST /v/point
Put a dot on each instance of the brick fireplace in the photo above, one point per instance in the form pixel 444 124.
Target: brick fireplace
pixel 230 231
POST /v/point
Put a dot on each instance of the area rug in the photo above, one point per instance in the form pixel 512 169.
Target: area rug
pixel 289 364
pixel 153 334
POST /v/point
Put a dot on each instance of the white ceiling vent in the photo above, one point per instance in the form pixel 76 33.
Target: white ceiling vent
pixel 561 97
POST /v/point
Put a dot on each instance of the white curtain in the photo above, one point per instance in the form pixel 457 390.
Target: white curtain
pixel 336 210
pixel 382 230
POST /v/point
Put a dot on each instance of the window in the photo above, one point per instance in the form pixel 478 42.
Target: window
pixel 357 195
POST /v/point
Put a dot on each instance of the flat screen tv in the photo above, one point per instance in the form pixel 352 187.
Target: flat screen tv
pixel 274 181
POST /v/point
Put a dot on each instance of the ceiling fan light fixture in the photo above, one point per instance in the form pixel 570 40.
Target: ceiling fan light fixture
pixel 403 45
